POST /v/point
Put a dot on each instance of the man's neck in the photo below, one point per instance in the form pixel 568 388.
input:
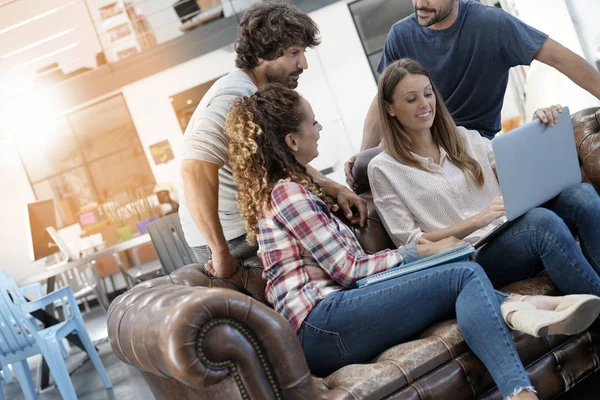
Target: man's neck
pixel 449 20
pixel 257 78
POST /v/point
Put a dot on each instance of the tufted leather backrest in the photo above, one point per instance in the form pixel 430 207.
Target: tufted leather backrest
pixel 586 126
pixel 247 280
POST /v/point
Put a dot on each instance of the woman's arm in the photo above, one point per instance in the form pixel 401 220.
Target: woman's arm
pixel 399 222
pixel 317 230
pixel 469 225
pixel 464 228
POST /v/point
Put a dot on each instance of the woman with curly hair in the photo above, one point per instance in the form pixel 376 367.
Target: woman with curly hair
pixel 272 40
pixel 312 260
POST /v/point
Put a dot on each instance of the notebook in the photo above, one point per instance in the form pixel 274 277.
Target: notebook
pixel 459 253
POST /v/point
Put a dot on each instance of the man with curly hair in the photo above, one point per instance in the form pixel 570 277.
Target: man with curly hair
pixel 272 39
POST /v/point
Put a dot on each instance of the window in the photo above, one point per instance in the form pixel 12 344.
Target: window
pixel 185 103
pixel 374 19
pixel 93 155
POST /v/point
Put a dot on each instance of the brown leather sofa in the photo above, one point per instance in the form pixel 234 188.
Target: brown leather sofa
pixel 196 337
pixel 586 126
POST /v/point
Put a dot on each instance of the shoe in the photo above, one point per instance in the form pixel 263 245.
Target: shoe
pixel 572 316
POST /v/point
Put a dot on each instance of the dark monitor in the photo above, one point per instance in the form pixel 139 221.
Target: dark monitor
pixel 186 10
pixel 41 214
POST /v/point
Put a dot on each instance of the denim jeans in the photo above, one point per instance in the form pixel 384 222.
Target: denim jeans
pixel 545 238
pixel 238 247
pixel 354 326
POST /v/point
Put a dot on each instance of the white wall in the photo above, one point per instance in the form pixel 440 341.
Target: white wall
pixel 14 250
pixel 545 85
pixel 347 69
pixel 585 17
pixel 151 110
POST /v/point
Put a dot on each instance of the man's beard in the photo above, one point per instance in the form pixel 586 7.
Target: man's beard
pixel 278 75
pixel 437 16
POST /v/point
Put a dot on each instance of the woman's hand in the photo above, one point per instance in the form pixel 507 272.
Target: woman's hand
pixel 425 248
pixel 493 211
pixel 548 115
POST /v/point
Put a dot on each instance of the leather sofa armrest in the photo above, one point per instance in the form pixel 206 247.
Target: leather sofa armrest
pixel 200 335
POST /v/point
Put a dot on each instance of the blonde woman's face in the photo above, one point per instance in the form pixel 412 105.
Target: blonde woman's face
pixel 304 143
pixel 413 103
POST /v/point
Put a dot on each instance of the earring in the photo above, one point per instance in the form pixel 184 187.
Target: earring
pixel 392 115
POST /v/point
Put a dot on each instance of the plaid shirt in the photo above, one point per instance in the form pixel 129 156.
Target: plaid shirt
pixel 309 253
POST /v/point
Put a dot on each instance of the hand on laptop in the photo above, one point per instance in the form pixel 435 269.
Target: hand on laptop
pixel 548 115
pixel 428 248
pixel 493 211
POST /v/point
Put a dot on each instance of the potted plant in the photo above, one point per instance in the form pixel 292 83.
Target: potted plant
pixel 118 216
pixel 142 208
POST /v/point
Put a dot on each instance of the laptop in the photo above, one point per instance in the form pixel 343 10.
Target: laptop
pixel 534 163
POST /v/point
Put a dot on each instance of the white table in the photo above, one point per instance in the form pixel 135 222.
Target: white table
pixel 49 273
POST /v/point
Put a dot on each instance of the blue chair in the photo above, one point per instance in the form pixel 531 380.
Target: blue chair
pixel 20 338
pixel 37 288
pixel 6 375
pixel 39 293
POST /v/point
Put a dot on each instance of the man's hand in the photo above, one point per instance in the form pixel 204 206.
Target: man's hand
pixel 348 170
pixel 431 248
pixel 347 200
pixel 222 265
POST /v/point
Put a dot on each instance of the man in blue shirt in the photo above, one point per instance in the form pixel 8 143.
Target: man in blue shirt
pixel 468 49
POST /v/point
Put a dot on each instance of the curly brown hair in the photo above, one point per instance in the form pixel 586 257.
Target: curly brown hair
pixel 266 29
pixel 256 128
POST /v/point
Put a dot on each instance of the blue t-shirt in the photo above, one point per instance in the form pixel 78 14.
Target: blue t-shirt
pixel 469 61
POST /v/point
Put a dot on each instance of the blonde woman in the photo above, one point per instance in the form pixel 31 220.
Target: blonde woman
pixel 312 260
pixel 435 180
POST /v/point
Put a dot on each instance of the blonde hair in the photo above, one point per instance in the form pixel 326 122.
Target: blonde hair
pixel 396 142
pixel 256 128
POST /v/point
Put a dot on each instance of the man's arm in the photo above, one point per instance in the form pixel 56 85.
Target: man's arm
pixel 372 128
pixel 571 65
pixel 201 187
pixel 346 198
pixel 371 138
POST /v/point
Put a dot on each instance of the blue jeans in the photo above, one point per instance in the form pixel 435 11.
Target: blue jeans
pixel 239 248
pixel 354 326
pixel 545 238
